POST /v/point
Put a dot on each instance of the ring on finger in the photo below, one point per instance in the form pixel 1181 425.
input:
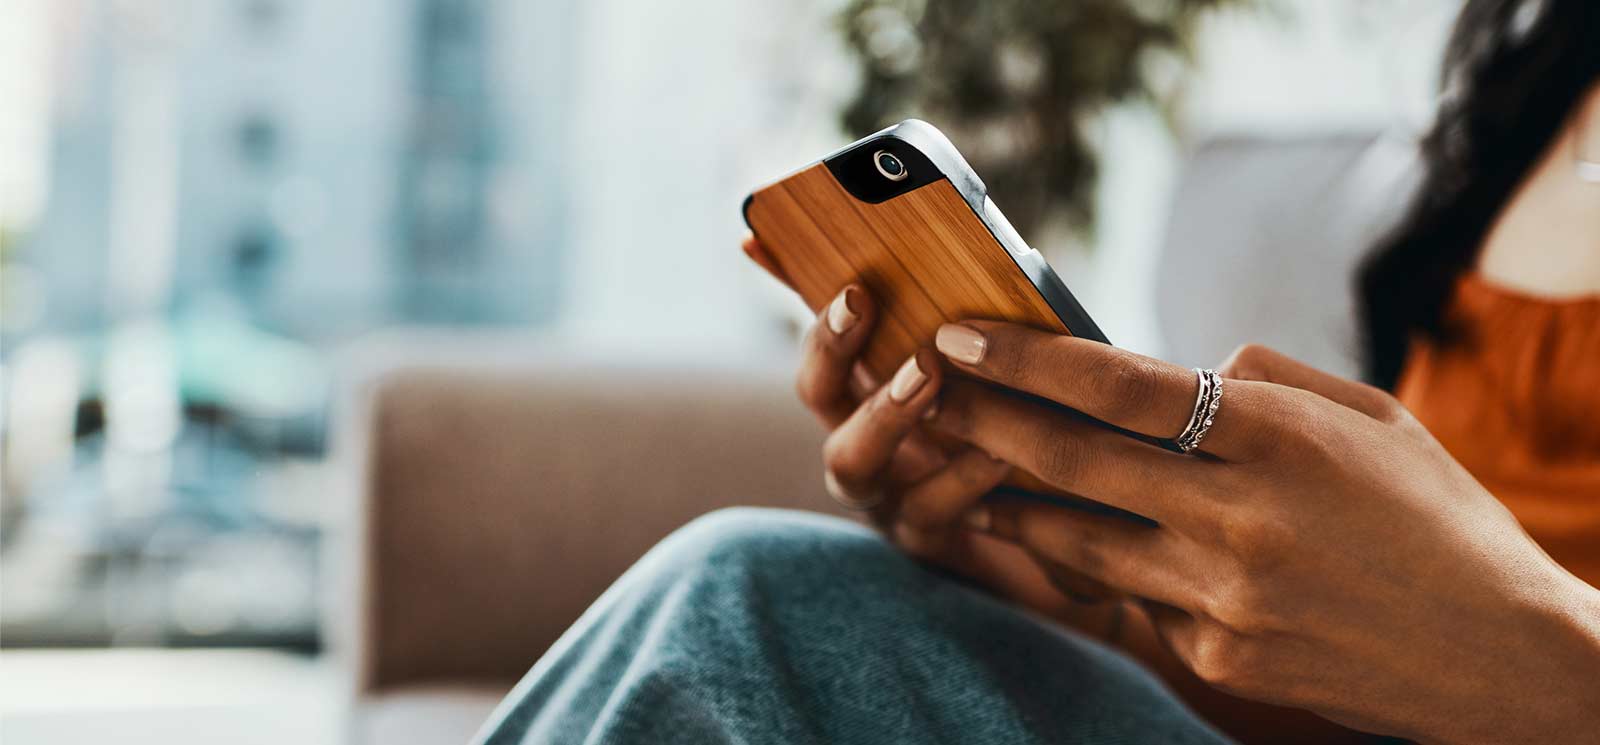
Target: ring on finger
pixel 1206 402
pixel 847 498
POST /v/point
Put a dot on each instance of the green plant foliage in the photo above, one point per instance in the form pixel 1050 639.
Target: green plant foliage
pixel 1016 83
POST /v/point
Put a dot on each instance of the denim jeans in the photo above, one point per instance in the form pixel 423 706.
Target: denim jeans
pixel 763 626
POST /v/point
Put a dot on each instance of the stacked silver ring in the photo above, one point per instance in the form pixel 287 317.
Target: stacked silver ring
pixel 1206 403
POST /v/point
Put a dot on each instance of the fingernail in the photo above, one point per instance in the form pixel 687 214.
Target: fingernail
pixel 932 410
pixel 840 315
pixel 961 343
pixel 907 381
pixel 978 518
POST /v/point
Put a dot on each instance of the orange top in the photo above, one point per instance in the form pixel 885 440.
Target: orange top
pixel 1516 399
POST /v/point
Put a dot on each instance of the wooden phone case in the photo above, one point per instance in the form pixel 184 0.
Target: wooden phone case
pixel 935 253
pixel 931 251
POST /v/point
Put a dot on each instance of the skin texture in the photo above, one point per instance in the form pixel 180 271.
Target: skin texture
pixel 1322 551
pixel 1545 242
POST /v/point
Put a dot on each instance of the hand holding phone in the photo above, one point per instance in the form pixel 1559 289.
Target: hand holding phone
pixel 902 214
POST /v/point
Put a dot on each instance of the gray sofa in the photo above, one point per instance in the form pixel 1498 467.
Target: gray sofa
pixel 499 492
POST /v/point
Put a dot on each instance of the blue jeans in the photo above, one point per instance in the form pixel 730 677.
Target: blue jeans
pixel 762 626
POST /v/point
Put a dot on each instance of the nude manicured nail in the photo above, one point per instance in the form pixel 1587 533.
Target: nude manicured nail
pixel 961 343
pixel 977 518
pixel 907 381
pixel 840 315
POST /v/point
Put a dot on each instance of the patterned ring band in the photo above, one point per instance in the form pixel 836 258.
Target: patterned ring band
pixel 1206 402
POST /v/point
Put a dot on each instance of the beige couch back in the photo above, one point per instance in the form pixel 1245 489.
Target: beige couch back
pixel 499 504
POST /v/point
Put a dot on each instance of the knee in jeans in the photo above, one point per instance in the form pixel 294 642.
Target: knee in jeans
pixel 757 542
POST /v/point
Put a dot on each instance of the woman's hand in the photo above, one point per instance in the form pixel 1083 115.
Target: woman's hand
pixel 1323 551
pixel 877 460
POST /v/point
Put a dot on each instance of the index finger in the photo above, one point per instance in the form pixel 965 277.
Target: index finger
pixel 758 253
pixel 1122 388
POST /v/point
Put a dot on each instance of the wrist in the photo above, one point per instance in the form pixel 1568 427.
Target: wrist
pixel 1575 658
pixel 1531 679
pixel 1553 695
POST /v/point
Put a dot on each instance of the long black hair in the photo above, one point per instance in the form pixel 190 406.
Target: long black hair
pixel 1513 73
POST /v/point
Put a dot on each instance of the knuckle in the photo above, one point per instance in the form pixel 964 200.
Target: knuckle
pixel 1242 607
pixel 1011 362
pixel 1221 659
pixel 844 460
pixel 1246 361
pixel 1088 555
pixel 1303 409
pixel 1252 352
pixel 1060 459
pixel 1390 410
pixel 1127 384
pixel 1258 543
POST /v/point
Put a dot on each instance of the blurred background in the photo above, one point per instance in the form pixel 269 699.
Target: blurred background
pixel 214 213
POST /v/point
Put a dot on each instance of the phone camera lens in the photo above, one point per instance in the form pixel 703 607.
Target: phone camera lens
pixel 889 165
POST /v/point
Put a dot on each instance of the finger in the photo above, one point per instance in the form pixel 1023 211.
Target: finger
pixel 759 254
pixel 930 509
pixel 1077 456
pixel 1174 627
pixel 862 382
pixel 918 457
pixel 1256 362
pixel 857 453
pixel 914 460
pixel 1137 393
pixel 1137 559
pixel 1077 586
pixel 829 352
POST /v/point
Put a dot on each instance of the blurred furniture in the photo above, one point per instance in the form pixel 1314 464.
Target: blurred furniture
pixel 499 499
pixel 1263 240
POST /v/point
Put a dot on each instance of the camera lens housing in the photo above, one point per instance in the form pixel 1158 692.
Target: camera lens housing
pixel 881 168
pixel 890 166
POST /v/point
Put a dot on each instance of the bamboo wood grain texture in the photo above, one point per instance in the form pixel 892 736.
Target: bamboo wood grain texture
pixel 925 256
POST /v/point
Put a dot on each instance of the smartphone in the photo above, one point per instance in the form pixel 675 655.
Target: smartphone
pixel 901 212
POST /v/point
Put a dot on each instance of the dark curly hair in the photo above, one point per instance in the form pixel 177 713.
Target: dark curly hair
pixel 1513 73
